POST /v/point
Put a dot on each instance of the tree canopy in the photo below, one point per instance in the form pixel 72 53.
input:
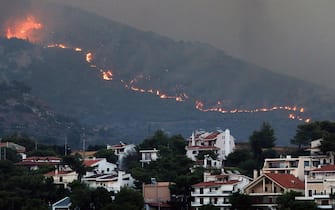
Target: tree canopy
pixel 260 139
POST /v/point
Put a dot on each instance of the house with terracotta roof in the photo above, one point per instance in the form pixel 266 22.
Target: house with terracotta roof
pixel 33 163
pixel 16 147
pixel 220 142
pixel 320 187
pixel 112 182
pixel 100 166
pixel 217 188
pixel 265 189
pixel 62 177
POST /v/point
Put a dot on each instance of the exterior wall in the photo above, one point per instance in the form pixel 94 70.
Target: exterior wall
pixel 298 167
pixel 65 178
pixel 223 142
pixel 148 156
pixel 154 193
pixel 102 167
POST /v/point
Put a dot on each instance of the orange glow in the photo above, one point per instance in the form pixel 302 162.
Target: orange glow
pixel 107 75
pixel 89 57
pixel 180 97
pixel 63 46
pixel 217 108
pixel 24 29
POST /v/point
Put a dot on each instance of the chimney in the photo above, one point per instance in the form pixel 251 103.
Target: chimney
pixel 255 174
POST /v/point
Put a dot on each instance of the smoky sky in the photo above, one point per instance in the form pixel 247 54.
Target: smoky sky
pixel 294 37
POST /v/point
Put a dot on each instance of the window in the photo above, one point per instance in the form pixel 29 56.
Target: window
pixel 266 189
pixel 60 179
pixel 324 202
pixel 201 200
pixel 107 169
pixel 201 191
pixel 306 163
pixel 275 189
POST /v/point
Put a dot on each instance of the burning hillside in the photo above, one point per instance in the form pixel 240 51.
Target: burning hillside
pixel 29 28
pixel 24 28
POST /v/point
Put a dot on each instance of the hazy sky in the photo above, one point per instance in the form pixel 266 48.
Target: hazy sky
pixel 295 37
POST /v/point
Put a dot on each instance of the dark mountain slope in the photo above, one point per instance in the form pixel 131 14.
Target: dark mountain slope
pixel 64 79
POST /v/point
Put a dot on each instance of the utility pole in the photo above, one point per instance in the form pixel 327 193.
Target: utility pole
pixel 65 146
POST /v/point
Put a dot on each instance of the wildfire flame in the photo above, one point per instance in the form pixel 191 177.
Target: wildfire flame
pixel 107 75
pixel 24 29
pixel 89 57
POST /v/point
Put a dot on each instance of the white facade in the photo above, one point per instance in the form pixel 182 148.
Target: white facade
pixel 148 155
pixel 100 166
pixel 216 189
pixel 221 142
pixel 62 177
pixel 112 182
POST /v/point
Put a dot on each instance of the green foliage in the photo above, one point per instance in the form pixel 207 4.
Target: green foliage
pixel 305 133
pixel 95 147
pixel 127 199
pixel 209 207
pixel 202 154
pixel 158 140
pixel 316 130
pixel 237 157
pixel 264 138
pixel 76 163
pixel 24 189
pixel 240 201
pixel 108 154
pixel 22 140
pixel 287 202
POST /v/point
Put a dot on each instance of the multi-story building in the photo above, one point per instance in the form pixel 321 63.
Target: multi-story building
pixel 265 189
pixel 216 189
pixel 299 166
pixel 320 187
pixel 220 142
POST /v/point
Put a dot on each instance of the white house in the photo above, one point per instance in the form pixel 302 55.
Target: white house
pixel 216 189
pixel 111 182
pixel 61 177
pixel 148 155
pixel 100 166
pixel 122 150
pixel 221 142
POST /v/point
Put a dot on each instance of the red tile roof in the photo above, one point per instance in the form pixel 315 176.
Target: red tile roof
pixel 90 162
pixel 286 180
pixel 37 158
pixel 203 147
pixel 52 173
pixel 211 184
pixel 326 168
pixel 212 136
